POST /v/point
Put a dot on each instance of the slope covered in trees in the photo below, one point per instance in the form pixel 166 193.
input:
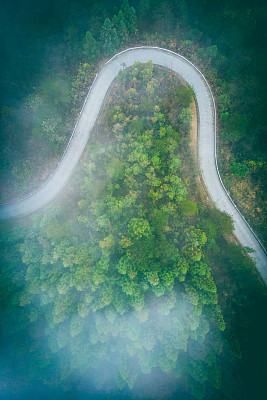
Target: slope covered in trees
pixel 117 283
pixel 128 272
pixel 223 39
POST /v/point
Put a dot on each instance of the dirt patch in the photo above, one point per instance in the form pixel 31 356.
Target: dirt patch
pixel 203 194
pixel 193 132
pixel 201 188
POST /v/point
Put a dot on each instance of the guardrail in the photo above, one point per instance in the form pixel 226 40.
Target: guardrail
pixel 63 155
pixel 215 132
pixel 215 127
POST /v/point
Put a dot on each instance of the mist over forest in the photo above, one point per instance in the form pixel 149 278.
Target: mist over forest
pixel 131 284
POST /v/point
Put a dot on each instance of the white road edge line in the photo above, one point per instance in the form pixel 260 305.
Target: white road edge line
pixel 206 140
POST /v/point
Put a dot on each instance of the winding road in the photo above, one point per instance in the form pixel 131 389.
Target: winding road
pixel 206 142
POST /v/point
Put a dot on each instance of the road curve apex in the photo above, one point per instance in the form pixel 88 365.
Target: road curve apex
pixel 206 142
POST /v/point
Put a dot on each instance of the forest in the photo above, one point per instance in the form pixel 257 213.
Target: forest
pixel 131 284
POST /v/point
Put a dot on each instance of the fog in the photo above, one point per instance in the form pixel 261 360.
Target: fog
pixel 44 76
pixel 71 375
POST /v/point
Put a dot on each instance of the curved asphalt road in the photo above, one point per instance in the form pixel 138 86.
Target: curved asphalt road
pixel 206 142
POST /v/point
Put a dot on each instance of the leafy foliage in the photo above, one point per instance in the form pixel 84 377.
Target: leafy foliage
pixel 123 280
pixel 63 262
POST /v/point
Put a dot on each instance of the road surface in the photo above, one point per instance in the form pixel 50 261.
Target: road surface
pixel 206 142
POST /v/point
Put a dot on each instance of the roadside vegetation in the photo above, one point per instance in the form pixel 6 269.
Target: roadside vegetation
pixel 223 39
pixel 132 272
pixel 119 281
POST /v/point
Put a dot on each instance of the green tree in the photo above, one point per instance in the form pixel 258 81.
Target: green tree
pixel 188 207
pixel 184 96
pixel 121 28
pixel 139 227
pixel 129 17
pixel 239 169
pixel 51 128
pixel 90 48
pixel 110 37
pixel 185 119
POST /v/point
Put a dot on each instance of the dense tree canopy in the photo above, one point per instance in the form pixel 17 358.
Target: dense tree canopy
pixel 129 272
pixel 124 279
